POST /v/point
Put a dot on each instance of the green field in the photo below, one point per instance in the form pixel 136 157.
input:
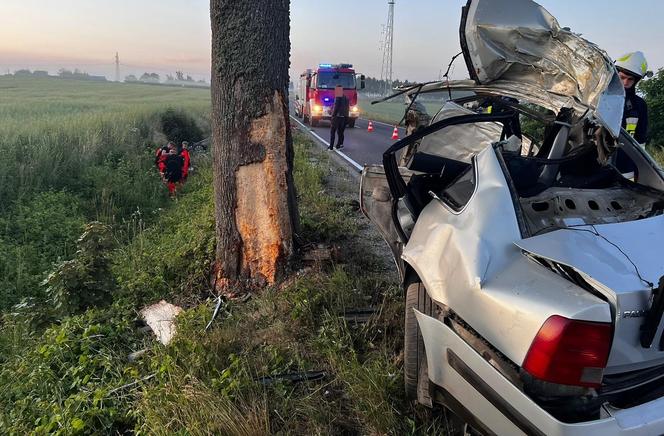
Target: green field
pixel 88 237
pixel 390 111
pixel 72 152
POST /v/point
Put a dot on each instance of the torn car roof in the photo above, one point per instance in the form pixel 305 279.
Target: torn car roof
pixel 520 42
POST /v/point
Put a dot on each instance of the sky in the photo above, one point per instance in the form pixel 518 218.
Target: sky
pixel 167 35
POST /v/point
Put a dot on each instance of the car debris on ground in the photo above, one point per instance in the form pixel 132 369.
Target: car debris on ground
pixel 160 317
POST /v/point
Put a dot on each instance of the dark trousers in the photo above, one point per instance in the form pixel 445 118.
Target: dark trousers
pixel 338 126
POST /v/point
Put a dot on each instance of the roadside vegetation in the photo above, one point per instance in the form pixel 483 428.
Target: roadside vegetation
pixel 74 152
pixel 390 111
pixel 89 238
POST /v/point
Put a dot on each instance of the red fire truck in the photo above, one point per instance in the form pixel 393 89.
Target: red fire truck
pixel 314 97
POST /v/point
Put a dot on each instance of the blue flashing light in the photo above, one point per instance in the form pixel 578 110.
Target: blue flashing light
pixel 325 65
pixel 326 99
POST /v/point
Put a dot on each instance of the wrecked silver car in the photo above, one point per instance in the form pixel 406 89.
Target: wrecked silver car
pixel 529 253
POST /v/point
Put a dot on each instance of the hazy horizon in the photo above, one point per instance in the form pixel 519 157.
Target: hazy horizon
pixel 165 36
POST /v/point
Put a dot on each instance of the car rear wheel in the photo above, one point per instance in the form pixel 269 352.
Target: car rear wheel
pixel 314 122
pixel 351 124
pixel 416 375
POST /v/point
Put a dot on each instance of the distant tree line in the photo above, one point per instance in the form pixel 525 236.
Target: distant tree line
pixel 179 79
pixel 378 86
pixel 62 73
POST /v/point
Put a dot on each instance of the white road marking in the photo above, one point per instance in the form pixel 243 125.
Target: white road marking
pixel 356 165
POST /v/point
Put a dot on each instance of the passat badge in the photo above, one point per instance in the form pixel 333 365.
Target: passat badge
pixel 634 313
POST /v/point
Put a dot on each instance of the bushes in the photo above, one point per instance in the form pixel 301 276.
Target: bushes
pixel 42 229
pixel 178 126
pixel 67 378
pixel 653 90
pixel 85 281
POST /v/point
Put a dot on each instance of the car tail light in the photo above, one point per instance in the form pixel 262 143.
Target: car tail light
pixel 570 352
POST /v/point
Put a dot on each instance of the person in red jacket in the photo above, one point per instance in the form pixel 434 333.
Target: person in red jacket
pixel 173 173
pixel 161 156
pixel 187 160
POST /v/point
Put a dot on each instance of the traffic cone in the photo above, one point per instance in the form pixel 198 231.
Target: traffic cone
pixel 395 133
pixel 370 128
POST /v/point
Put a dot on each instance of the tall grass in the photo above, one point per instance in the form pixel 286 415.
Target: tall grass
pixel 53 130
pixel 71 152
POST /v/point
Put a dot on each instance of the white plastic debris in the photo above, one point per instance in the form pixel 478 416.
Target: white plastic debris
pixel 161 319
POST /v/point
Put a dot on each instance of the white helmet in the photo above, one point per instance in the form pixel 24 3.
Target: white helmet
pixel 634 63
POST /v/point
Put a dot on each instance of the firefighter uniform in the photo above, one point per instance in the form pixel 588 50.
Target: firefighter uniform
pixel 633 67
pixel 635 116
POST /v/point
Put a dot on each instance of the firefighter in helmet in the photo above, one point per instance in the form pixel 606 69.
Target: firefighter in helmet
pixel 632 67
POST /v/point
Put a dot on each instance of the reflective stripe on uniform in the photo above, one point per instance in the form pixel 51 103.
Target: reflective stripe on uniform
pixel 630 125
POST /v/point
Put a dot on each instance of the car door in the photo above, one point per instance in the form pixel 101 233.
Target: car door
pixel 377 204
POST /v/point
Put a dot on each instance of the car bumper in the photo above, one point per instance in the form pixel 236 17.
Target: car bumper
pixel 326 114
pixel 499 406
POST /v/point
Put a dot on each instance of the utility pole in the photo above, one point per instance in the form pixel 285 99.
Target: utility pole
pixel 388 49
pixel 117 67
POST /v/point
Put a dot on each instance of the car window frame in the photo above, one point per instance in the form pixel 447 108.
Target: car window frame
pixel 395 181
pixel 476 175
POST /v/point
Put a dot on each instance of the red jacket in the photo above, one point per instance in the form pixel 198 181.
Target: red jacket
pixel 187 160
pixel 160 159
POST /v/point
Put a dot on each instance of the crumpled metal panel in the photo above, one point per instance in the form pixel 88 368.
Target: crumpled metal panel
pixel 580 248
pixel 460 142
pixel 523 92
pixel 611 271
pixel 520 41
pixel 467 260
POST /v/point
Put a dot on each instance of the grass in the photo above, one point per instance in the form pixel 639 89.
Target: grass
pixel 91 148
pixel 76 378
pixel 390 111
pixel 53 130
pixel 210 385
pixel 73 152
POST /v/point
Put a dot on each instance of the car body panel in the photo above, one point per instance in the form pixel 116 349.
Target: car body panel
pixel 376 204
pixel 460 142
pixel 520 41
pixel 617 258
pixel 469 262
pixel 441 341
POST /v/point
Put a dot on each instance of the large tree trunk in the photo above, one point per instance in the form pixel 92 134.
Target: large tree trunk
pixel 255 209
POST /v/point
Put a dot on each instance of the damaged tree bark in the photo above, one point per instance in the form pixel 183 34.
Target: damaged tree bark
pixel 255 208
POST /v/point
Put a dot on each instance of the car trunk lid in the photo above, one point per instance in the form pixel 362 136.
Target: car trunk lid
pixel 622 262
pixel 519 42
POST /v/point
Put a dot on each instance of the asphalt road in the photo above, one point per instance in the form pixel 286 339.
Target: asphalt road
pixel 360 146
